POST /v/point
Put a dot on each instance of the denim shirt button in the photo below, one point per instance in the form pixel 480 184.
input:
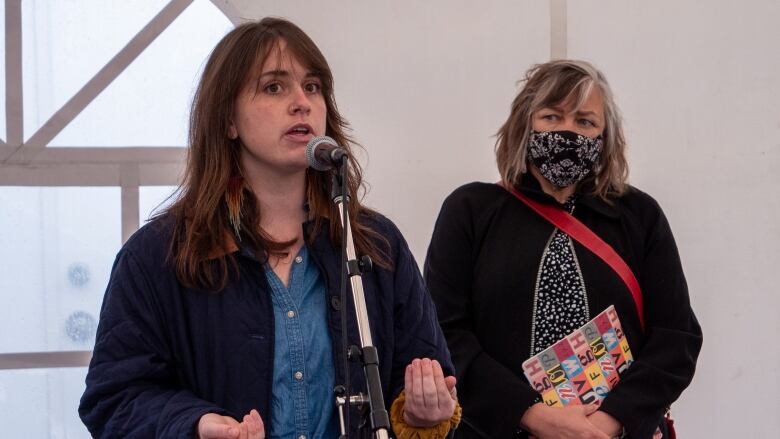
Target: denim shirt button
pixel 303 436
pixel 299 375
pixel 290 314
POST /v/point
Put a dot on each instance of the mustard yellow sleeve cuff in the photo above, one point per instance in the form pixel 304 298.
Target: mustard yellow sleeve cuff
pixel 404 431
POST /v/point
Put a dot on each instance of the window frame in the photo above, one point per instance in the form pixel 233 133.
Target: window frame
pixel 33 163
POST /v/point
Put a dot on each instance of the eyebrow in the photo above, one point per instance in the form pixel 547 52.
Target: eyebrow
pixel 587 113
pixel 285 73
pixel 578 112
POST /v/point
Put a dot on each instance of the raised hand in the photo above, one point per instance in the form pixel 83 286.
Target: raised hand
pixel 430 397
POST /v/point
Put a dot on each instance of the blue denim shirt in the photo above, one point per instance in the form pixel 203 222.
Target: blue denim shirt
pixel 302 404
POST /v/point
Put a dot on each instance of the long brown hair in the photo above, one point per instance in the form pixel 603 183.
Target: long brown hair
pixel 554 83
pixel 201 225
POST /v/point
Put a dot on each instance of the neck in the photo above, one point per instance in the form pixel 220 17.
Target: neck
pixel 281 199
pixel 561 194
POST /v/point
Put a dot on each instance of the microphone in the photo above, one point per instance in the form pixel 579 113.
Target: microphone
pixel 322 153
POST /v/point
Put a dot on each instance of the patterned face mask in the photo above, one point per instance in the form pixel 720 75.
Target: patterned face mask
pixel 563 157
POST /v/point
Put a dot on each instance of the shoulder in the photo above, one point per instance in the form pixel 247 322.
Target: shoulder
pixel 150 244
pixel 643 215
pixel 472 200
pixel 475 194
pixel 639 205
pixel 384 226
pixel 141 275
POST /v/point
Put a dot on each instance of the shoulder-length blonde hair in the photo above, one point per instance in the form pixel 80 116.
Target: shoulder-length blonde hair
pixel 555 83
pixel 200 213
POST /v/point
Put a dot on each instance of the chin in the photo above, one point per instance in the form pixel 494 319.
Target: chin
pixel 296 166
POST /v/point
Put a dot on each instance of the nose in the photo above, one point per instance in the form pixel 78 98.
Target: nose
pixel 299 102
pixel 568 124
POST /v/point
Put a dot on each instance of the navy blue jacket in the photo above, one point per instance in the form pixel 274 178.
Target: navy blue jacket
pixel 165 355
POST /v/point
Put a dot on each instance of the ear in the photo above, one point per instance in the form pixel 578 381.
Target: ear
pixel 232 132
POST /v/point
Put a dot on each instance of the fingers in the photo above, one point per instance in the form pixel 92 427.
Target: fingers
pixel 569 422
pixel 417 383
pixel 415 405
pixel 218 431
pixel 594 431
pixel 248 428
pixel 605 422
pixel 589 409
pixel 443 397
pixel 244 431
pixel 450 382
pixel 213 431
pixel 408 381
pixel 253 424
pixel 430 392
pixel 258 431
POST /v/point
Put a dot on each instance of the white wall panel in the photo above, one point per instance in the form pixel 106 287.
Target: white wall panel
pixel 425 86
pixel 699 85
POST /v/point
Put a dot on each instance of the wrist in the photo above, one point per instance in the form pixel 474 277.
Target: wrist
pixel 607 423
pixel 531 414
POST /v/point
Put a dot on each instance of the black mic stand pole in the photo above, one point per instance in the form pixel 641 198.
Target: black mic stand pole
pixel 379 419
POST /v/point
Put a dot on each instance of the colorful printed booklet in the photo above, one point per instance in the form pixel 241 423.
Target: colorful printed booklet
pixel 584 366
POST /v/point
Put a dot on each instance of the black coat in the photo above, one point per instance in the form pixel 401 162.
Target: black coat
pixel 481 269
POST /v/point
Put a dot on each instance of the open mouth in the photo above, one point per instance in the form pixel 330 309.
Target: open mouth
pixel 299 130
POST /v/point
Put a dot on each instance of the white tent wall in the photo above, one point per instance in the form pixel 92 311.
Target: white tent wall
pixel 425 86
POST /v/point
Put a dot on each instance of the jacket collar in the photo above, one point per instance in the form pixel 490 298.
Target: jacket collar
pixel 531 187
pixel 231 245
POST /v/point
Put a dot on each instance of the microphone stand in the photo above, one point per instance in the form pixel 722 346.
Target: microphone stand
pixel 367 353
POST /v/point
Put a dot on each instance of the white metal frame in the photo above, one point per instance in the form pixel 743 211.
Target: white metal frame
pixel 32 163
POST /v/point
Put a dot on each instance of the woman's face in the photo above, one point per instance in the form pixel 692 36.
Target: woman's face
pixel 279 110
pixel 587 121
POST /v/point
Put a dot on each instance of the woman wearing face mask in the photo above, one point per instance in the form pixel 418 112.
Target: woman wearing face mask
pixel 222 318
pixel 508 283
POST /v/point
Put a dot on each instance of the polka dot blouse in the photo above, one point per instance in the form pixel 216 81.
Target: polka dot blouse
pixel 560 298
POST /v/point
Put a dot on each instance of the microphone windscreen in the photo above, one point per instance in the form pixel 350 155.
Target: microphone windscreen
pixel 311 148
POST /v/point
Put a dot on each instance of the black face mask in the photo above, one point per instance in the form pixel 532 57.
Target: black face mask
pixel 563 157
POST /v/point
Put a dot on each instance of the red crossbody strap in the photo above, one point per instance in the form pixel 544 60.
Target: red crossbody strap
pixel 585 236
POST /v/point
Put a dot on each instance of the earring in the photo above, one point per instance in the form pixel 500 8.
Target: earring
pixel 234 199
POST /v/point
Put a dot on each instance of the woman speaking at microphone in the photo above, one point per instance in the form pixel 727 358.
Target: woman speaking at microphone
pixel 513 275
pixel 222 315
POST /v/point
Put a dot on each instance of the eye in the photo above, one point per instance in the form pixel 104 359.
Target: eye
pixel 552 117
pixel 313 87
pixel 273 88
pixel 586 123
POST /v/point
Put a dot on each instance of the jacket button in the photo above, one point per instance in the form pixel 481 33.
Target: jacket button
pixel 335 302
